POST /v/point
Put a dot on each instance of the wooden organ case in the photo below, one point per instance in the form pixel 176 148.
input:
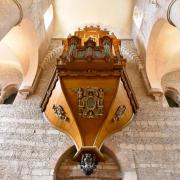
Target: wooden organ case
pixel 90 96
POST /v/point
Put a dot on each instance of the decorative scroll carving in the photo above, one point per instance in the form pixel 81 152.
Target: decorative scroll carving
pixel 88 163
pixel 119 113
pixel 50 88
pixel 90 102
pixel 129 91
pixel 59 112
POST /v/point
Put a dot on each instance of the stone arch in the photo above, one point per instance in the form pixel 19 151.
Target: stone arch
pixel 66 158
pixel 171 80
pixel 60 159
pixel 124 159
pixel 57 155
pixel 14 11
pixel 22 41
pixel 171 86
pixel 163 53
pixel 10 80
pixel 8 91
pixel 172 97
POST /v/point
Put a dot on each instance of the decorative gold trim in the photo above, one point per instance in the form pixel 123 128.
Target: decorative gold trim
pixel 169 11
pixel 90 102
pixel 20 11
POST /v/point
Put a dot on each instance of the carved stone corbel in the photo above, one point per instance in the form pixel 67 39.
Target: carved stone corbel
pixel 156 93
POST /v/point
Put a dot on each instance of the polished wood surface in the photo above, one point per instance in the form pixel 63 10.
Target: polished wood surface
pixel 89 127
pixel 69 127
pixel 91 59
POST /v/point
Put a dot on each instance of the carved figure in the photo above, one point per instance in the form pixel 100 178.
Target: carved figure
pixel 59 112
pixel 119 113
pixel 107 49
pixel 88 163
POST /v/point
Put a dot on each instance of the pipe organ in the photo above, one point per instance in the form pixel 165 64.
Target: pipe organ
pixel 89 96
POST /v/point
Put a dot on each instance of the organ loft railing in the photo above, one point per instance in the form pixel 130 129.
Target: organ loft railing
pixel 90 96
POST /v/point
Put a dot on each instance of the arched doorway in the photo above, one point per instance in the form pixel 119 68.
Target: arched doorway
pixel 67 168
pixel 172 98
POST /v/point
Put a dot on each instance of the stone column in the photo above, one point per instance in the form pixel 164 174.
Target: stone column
pixel 11 13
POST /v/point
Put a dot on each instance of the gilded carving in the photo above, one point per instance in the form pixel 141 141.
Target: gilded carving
pixel 90 102
pixel 119 113
pixel 59 112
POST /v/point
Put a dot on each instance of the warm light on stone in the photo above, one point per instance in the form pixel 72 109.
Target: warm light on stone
pixel 48 17
pixel 31 40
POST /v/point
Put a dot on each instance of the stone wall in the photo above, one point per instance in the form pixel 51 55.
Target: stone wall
pixel 147 149
pixel 28 144
pixel 150 144
pixel 26 41
pixel 36 15
pixel 150 14
pixel 108 170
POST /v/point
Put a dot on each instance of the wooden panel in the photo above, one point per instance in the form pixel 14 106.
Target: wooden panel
pixel 69 127
pixel 89 127
pixel 109 127
pixel 90 90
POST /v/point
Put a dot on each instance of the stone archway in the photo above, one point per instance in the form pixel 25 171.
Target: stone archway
pixel 22 42
pixel 9 93
pixel 163 54
pixel 67 168
pixel 10 81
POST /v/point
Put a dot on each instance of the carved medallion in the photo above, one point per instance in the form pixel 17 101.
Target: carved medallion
pixel 60 113
pixel 88 163
pixel 119 113
pixel 90 102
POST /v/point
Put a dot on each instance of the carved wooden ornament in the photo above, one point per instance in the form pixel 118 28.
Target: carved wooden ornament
pixel 90 102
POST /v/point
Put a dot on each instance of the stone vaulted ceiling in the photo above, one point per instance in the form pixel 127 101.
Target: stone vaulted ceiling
pixel 115 15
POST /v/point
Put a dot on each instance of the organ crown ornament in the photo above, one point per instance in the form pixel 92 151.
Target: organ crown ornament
pixel 90 90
